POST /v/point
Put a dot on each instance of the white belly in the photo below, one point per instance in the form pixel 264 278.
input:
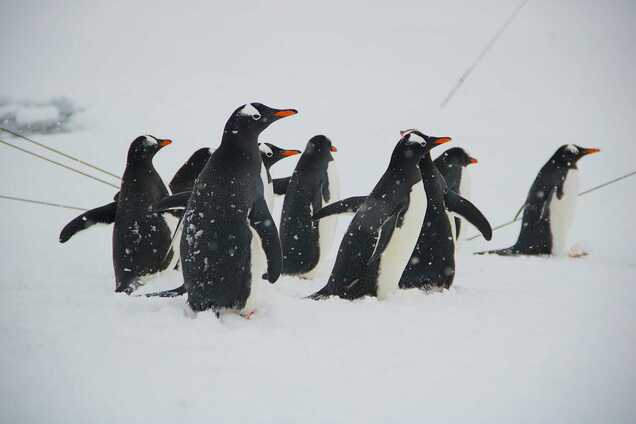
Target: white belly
pixel 268 189
pixel 258 266
pixel 562 212
pixel 172 223
pixel 399 250
pixel 327 226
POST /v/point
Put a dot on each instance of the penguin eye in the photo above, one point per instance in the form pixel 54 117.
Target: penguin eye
pixel 256 116
pixel 269 154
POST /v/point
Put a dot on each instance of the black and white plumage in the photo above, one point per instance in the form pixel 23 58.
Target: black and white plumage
pixel 141 239
pixel 432 263
pixel 549 209
pixel 380 239
pixel 313 184
pixel 452 164
pixel 229 239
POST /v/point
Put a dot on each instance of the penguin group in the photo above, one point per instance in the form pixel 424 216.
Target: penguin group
pixel 215 225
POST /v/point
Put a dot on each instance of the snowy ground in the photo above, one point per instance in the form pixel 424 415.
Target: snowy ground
pixel 516 340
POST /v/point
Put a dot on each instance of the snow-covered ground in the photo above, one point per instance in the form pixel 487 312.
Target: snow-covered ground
pixel 516 339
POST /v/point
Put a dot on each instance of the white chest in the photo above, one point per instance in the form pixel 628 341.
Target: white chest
pixel 400 248
pixel 562 212
pixel 268 189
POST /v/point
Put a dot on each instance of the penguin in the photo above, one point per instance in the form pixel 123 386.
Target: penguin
pixel 381 237
pixel 451 164
pixel 141 240
pixel 227 226
pixel 270 154
pixel 313 184
pixel 549 208
pixel 432 262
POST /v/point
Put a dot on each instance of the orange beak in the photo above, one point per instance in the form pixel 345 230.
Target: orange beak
pixel 473 160
pixel 285 112
pixel 333 149
pixel 591 151
pixel 288 153
pixel 441 140
pixel 164 143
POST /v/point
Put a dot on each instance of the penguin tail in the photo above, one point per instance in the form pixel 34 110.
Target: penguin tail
pixel 509 251
pixel 181 290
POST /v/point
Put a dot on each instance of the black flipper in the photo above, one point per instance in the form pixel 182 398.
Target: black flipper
pixel 348 205
pixel 102 215
pixel 384 237
pixel 261 220
pixel 459 205
pixel 545 209
pixel 280 185
pixel 179 291
pixel 176 201
pixel 326 194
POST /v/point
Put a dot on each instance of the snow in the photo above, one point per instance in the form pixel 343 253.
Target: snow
pixel 515 340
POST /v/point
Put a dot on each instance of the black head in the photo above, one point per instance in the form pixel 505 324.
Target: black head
pixel 569 154
pixel 145 147
pixel 251 119
pixel 458 157
pixel 320 146
pixel 272 154
pixel 414 144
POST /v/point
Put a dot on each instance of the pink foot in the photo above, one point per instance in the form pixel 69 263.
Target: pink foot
pixel 248 314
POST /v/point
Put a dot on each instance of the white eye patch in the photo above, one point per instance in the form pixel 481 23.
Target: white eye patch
pixel 150 141
pixel 413 132
pixel 250 110
pixel 572 149
pixel 264 148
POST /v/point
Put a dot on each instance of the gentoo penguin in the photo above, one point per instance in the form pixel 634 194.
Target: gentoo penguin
pixel 227 226
pixel 432 263
pixel 384 230
pixel 313 184
pixel 186 175
pixel 451 164
pixel 141 240
pixel 549 208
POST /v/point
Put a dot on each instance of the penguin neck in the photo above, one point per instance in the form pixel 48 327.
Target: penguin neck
pixel 427 168
pixel 136 165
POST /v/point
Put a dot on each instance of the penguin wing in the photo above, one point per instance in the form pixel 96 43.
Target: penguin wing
pixel 280 185
pixel 385 232
pixel 459 205
pixel 324 188
pixel 545 209
pixel 261 220
pixel 102 215
pixel 348 205
pixel 176 201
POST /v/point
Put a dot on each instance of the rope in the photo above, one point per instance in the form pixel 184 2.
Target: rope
pixel 44 146
pixel 490 44
pixel 583 193
pixel 59 164
pixel 39 202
